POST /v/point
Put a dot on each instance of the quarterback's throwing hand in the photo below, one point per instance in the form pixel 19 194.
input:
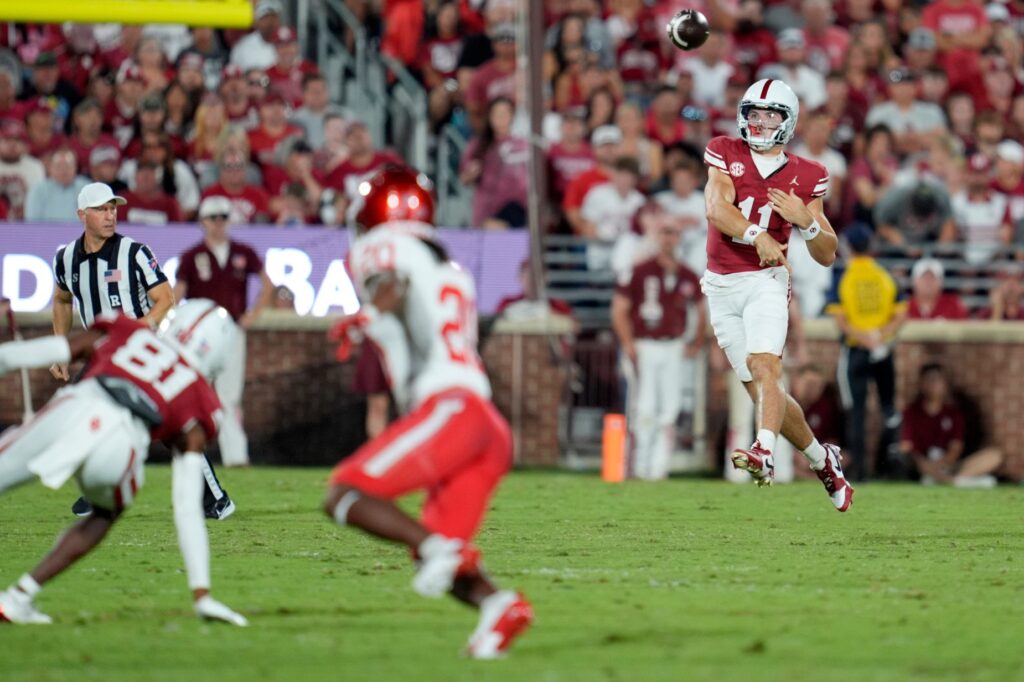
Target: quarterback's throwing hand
pixel 209 608
pixel 790 206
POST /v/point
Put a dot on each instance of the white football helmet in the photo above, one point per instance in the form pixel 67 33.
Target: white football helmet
pixel 774 95
pixel 202 331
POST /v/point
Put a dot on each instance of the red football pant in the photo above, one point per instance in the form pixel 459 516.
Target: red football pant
pixel 456 446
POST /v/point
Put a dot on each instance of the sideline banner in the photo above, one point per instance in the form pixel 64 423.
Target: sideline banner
pixel 309 261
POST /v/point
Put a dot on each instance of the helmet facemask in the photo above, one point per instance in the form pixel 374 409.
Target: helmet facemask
pixel 763 134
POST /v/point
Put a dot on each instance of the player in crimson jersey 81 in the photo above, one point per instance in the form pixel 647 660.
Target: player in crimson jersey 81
pixel 136 387
pixel 419 308
pixel 756 194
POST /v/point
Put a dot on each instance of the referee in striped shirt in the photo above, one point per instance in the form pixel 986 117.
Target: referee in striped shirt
pixel 106 272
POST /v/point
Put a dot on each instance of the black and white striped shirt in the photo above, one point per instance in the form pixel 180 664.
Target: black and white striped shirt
pixel 117 278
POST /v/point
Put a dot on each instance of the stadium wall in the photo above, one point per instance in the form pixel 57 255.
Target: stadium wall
pixel 299 407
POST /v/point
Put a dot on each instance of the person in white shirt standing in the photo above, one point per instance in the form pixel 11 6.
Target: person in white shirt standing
pixel 808 84
pixel 911 121
pixel 19 172
pixel 256 49
pixel 684 202
pixel 610 207
pixel 980 213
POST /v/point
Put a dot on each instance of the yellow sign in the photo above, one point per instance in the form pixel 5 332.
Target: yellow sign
pixel 214 13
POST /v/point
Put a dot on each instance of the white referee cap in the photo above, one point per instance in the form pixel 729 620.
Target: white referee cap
pixel 97 194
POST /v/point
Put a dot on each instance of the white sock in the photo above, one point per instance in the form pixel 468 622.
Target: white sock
pixel 767 439
pixel 432 545
pixel 29 586
pixel 815 454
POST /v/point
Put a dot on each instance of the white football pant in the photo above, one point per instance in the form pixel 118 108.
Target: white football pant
pixel 234 444
pixel 80 433
pixel 662 376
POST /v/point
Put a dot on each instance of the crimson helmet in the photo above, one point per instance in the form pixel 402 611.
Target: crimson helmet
pixel 395 193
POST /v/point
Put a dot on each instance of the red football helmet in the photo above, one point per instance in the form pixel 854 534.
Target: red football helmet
pixel 395 193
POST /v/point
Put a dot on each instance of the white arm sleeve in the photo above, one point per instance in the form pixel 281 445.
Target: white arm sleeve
pixel 187 493
pixel 35 353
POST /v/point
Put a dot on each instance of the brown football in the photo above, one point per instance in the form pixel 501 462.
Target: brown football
pixel 688 29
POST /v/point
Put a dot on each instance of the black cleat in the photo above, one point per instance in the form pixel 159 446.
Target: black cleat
pixel 81 507
pixel 220 509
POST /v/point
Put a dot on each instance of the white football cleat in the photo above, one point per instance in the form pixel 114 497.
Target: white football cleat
pixel 503 617
pixel 17 607
pixel 209 608
pixel 832 477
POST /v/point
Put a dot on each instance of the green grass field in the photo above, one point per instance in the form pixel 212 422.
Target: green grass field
pixel 684 580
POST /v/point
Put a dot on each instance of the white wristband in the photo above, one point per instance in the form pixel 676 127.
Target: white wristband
pixel 752 232
pixel 811 231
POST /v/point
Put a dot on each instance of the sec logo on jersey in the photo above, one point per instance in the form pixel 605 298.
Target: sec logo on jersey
pixel 736 169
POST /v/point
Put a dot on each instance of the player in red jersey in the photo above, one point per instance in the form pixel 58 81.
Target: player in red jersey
pixel 137 386
pixel 420 310
pixel 756 194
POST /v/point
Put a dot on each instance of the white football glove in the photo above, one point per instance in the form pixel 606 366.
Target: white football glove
pixel 209 608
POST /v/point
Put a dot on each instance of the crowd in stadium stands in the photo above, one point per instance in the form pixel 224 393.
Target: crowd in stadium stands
pixel 916 108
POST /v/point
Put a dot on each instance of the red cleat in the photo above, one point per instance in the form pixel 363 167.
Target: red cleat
pixel 831 475
pixel 757 461
pixel 503 617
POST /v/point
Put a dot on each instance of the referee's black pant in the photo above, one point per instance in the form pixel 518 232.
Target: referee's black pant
pixel 855 370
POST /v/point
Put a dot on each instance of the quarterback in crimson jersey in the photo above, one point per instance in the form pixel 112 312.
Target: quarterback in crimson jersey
pixel 756 194
pixel 419 308
pixel 137 386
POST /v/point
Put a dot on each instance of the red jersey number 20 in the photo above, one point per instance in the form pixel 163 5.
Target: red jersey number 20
pixel 459 331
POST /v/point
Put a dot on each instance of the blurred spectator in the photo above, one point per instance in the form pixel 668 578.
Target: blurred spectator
pixel 174 175
pixel 249 203
pixel 600 110
pixel 363 161
pixel 605 143
pixel 495 78
pixel 101 89
pixel 179 114
pixel 315 105
pixel 104 163
pixel 635 142
pixel 811 282
pixel 87 131
pixel 869 315
pixel 981 214
pixel 119 118
pixel 641 55
pixel 403 30
pixel 256 49
pixel 960 114
pixel 8 96
pixel 910 120
pixel 940 163
pixel 210 121
pixel 283 299
pixel 915 215
pixel 46 83
pixel 826 43
pixel 152 64
pixel 152 119
pixel 989 131
pixel 524 304
pixel 148 203
pixel 439 62
pixel 932 437
pixel 234 92
pixel 920 50
pixel 999 85
pixel 570 156
pixel 934 86
pixel 191 73
pixel 819 400
pixel 571 88
pixel 595 33
pixel 664 119
pixel 333 151
pixel 496 164
pixel 371 380
pixel 41 126
pixel 173 38
pixel 608 209
pixel 1006 298
pixel 257 85
pixel 870 175
pixel 808 84
pixel 206 45
pixel 753 44
pixel 927 300
pixel 847 114
pixel 1009 176
pixel 815 131
pixel 723 119
pixel 55 198
pixel 290 69
pixel 684 204
pixel 639 243
pixel 272 130
pixel 961 30
pixel 873 36
pixel 710 71
pixel 293 168
pixel 19 172
pixel 864 82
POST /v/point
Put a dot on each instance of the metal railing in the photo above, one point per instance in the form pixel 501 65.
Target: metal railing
pixel 454 200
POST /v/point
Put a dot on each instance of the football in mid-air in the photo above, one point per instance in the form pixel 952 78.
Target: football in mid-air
pixel 688 29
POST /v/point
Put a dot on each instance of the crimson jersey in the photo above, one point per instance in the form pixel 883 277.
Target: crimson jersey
pixel 808 179
pixel 130 350
pixel 659 299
